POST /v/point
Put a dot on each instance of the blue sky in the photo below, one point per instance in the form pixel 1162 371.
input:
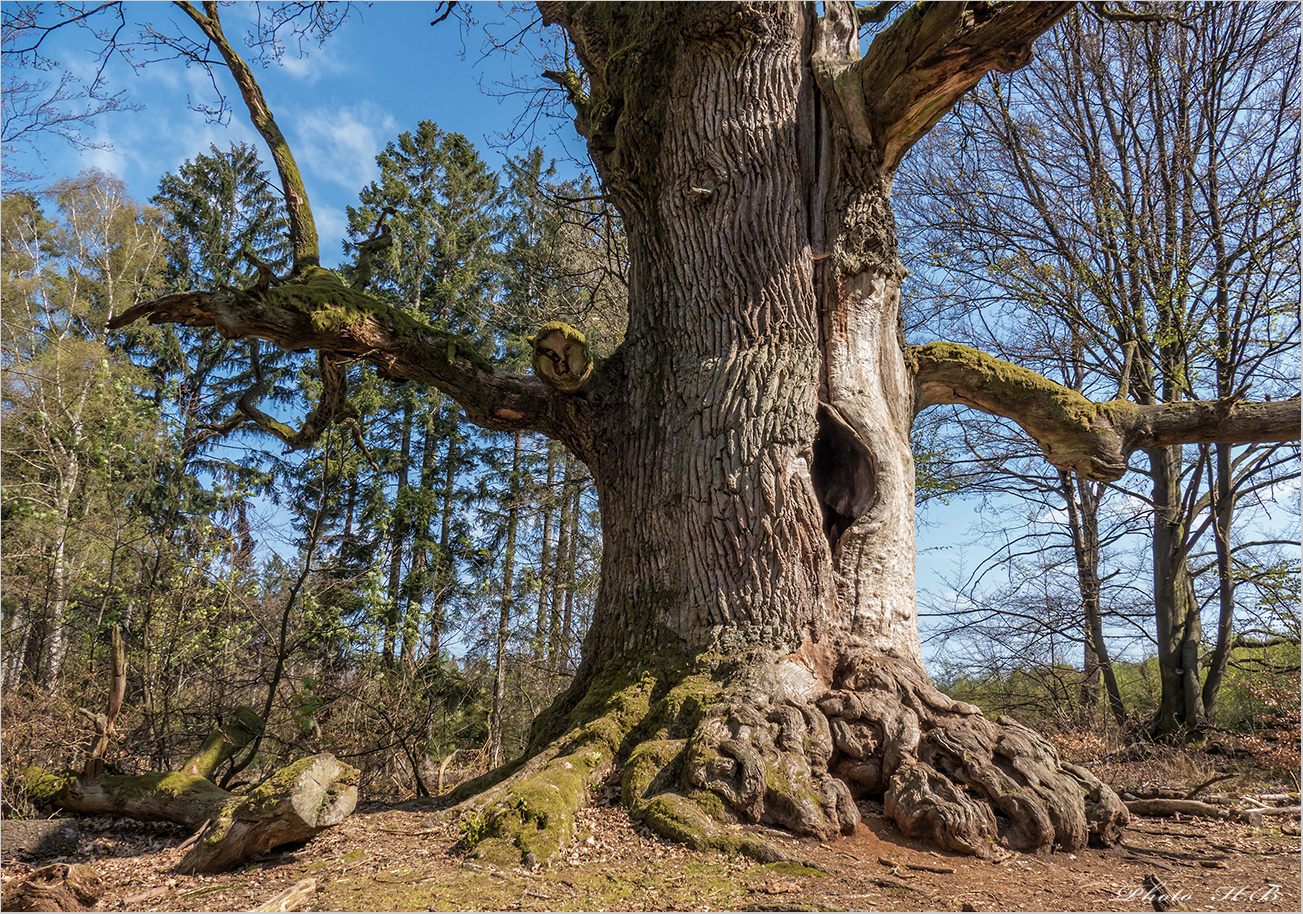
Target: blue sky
pixel 339 103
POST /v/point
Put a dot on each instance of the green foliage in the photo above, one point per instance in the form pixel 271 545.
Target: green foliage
pixel 1260 693
pixel 473 828
pixel 222 209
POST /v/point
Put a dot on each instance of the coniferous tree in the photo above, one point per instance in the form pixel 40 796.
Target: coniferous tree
pixel 437 204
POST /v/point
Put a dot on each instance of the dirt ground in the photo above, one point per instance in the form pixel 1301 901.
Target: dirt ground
pixel 402 857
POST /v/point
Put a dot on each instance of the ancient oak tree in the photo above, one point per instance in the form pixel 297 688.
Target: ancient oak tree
pixel 754 654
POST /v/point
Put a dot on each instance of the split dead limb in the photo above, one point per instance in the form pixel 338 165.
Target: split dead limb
pixel 1162 807
pixel 293 805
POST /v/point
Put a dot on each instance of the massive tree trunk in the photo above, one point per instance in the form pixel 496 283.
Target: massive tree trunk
pixel 755 475
pixel 754 653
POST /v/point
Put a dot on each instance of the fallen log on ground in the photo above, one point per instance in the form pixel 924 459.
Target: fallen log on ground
pixel 1254 816
pixel 293 805
pixel 1163 807
pixel 297 803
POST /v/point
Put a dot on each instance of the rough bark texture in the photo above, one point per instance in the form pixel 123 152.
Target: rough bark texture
pixel 751 453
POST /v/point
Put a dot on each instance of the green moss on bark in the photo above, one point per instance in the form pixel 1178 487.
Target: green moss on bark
pixel 535 820
pixel 649 770
pixel 333 306
pixel 1009 382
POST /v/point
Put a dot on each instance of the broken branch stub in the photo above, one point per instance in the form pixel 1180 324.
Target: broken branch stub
pixel 561 357
pixel 297 803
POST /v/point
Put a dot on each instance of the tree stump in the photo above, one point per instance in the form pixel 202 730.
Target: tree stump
pixel 58 887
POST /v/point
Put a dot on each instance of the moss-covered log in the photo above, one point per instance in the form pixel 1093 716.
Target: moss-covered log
pixel 229 738
pixel 295 804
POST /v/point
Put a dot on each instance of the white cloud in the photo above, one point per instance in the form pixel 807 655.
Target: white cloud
pixel 145 145
pixel 313 66
pixel 108 159
pixel 340 145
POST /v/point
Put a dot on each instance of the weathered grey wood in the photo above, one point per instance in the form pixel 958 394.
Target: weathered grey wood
pixel 1255 816
pixel 291 899
pixel 1163 807
pixel 293 805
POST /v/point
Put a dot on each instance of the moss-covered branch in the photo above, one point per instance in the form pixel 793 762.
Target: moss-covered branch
pixel 917 68
pixel 321 312
pixel 224 742
pixel 1080 435
pixel 296 803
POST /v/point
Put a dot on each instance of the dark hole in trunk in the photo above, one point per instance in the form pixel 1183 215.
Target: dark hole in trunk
pixel 843 475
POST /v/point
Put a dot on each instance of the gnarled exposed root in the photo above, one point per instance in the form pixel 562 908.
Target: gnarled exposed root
pixel 711 746
pixel 952 776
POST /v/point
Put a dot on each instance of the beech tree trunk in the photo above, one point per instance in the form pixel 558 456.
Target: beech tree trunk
pixel 1176 609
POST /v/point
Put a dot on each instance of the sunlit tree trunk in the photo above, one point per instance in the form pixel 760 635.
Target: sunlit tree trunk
pixel 445 568
pixel 1082 501
pixel 545 559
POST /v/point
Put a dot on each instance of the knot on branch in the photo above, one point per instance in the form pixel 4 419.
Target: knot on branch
pixel 561 357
